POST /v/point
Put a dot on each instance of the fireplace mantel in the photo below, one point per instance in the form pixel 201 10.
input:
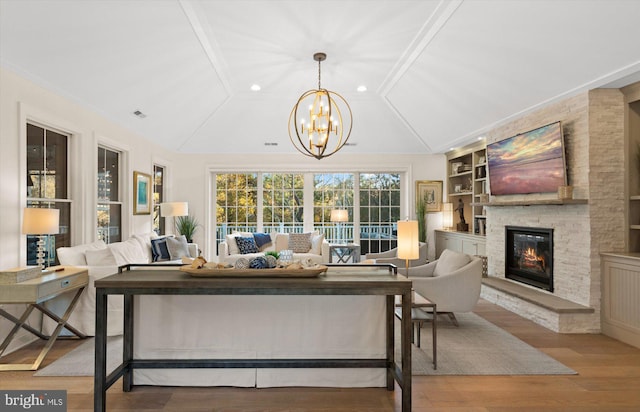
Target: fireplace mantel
pixel 543 202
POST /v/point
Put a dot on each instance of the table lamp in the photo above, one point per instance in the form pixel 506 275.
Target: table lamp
pixel 408 243
pixel 447 216
pixel 173 209
pixel 40 222
pixel 338 216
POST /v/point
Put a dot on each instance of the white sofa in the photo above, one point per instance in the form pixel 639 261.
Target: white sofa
pixel 228 251
pixel 102 260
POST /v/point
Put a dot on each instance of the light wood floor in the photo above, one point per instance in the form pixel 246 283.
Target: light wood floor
pixel 608 380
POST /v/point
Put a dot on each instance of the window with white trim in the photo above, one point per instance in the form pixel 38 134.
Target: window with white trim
pixel 109 204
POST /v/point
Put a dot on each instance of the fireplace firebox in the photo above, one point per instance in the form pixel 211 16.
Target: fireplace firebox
pixel 529 256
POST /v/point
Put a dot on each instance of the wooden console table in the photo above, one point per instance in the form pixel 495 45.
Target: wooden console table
pixel 34 292
pixel 339 280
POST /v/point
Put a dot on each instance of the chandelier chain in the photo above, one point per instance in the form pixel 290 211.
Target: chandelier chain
pixel 319 61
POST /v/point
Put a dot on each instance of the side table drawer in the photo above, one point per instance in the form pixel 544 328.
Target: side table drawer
pixel 50 289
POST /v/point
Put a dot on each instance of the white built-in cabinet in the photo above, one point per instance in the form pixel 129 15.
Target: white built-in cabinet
pixel 460 242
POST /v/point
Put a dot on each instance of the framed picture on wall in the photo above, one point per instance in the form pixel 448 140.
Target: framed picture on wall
pixel 431 191
pixel 141 193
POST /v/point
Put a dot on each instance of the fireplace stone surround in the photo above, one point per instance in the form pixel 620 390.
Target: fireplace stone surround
pixel 593 126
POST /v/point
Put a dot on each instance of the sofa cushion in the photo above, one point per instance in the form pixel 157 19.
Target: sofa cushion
pixel 246 245
pixel 145 243
pixel 100 257
pixel 450 261
pixel 75 255
pixel 128 251
pixel 160 249
pixel 178 247
pixel 282 241
pixel 300 242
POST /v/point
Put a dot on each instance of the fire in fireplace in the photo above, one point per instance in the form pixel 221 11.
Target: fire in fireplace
pixel 529 256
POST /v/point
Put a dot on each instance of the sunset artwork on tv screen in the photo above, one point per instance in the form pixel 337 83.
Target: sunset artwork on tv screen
pixel 531 162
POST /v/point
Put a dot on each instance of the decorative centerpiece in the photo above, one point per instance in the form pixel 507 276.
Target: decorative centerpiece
pixel 260 266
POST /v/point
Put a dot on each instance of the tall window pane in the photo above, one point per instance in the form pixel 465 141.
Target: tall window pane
pixel 379 211
pixel 333 191
pixel 236 203
pixel 158 197
pixel 109 207
pixel 47 186
pixel 282 202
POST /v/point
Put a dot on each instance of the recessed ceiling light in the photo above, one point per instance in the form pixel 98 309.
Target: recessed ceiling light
pixel 255 87
pixel 139 114
pixel 480 137
pixel 362 88
pixel 271 144
pixel 351 144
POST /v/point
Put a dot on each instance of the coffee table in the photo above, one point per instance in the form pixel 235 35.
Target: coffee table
pixel 419 316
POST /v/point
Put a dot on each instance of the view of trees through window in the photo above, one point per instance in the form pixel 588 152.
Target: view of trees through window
pixel 109 206
pixel 47 185
pixel 372 202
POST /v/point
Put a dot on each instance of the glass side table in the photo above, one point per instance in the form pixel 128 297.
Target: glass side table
pixel 344 253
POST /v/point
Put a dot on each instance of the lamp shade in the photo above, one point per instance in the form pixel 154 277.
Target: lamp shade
pixel 339 215
pixel 408 243
pixel 37 221
pixel 447 215
pixel 174 209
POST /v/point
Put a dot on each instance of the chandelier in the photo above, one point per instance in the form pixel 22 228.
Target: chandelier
pixel 316 121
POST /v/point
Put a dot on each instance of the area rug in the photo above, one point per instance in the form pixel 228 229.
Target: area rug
pixel 476 347
pixel 80 361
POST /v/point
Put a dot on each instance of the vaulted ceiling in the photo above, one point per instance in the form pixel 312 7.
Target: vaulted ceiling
pixel 438 73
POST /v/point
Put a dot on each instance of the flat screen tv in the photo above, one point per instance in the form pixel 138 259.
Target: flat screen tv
pixel 530 162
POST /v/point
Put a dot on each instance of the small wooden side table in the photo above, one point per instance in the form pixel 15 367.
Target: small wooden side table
pixel 34 292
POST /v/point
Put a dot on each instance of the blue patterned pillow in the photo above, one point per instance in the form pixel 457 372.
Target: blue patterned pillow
pixel 159 249
pixel 262 239
pixel 246 245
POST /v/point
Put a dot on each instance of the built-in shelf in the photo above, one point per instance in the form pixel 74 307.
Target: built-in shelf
pixel 635 197
pixel 634 227
pixel 533 202
pixel 460 194
pixel 481 217
pixel 462 174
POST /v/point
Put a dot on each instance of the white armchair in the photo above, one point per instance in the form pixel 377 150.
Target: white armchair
pixel 391 256
pixel 452 282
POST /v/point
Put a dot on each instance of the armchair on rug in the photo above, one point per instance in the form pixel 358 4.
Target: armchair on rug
pixel 391 256
pixel 452 282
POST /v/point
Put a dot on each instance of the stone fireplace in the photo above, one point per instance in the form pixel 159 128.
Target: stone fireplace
pixel 529 256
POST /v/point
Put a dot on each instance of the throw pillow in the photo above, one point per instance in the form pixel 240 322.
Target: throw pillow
pixel 450 261
pixel 100 257
pixel 300 242
pixel 178 247
pixel 316 243
pixel 246 245
pixel 160 250
pixel 262 239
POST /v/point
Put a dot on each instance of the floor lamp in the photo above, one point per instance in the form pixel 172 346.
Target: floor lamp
pixel 338 216
pixel 173 209
pixel 408 242
pixel 40 222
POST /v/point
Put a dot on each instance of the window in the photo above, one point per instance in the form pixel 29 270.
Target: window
pixel 109 206
pixel 372 202
pixel 236 203
pixel 333 191
pixel 158 197
pixel 47 185
pixel 379 195
pixel 282 202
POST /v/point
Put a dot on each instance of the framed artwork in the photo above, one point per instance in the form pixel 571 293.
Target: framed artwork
pixel 431 191
pixel 141 193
